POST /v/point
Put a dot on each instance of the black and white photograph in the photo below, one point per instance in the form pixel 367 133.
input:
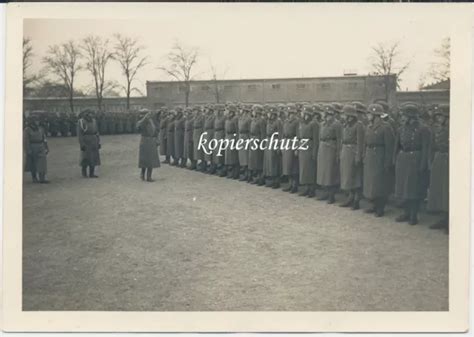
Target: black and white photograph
pixel 237 159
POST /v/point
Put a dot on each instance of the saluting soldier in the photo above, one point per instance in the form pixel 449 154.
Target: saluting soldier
pixel 412 160
pixel 163 136
pixel 244 134
pixel 209 129
pixel 148 151
pixel 328 174
pixel 231 155
pixel 351 157
pixel 36 149
pixel 309 130
pixel 179 138
pixel 198 129
pixel 272 157
pixel 289 160
pixel 438 195
pixel 89 141
pixel 219 133
pixel 257 132
pixel 170 137
pixel 188 152
pixel 378 160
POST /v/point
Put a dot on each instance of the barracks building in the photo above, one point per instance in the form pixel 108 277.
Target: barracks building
pixel 279 90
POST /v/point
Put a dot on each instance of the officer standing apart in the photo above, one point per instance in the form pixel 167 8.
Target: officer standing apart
pixel 148 151
pixel 89 141
pixel 36 150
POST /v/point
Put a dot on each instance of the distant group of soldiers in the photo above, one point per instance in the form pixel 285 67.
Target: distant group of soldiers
pixel 373 152
pixel 370 152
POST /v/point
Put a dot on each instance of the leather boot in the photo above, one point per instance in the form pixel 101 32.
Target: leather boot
pixel 91 172
pixel 305 192
pixel 42 179
pixel 84 171
pixel 148 174
pixel 406 213
pixel 193 165
pixel 261 179
pixel 349 202
pixel 142 174
pixel 356 203
pixel 380 208
pixel 290 185
pixel 244 176
pixel 276 182
pixel 371 209
pixel 414 213
pixel 294 186
pixel 33 177
pixel 167 160
pixel 331 196
pixel 311 191
pixel 236 172
pixel 324 196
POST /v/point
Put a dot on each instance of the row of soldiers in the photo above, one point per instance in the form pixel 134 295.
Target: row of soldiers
pixel 363 151
pixel 108 123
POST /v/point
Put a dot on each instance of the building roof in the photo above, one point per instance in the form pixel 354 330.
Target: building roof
pixel 442 85
pixel 280 79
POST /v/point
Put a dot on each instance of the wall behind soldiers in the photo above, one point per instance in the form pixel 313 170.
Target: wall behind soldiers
pixel 325 89
pixel 424 96
pixel 61 104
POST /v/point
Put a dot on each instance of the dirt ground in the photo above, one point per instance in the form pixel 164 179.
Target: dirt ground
pixel 191 241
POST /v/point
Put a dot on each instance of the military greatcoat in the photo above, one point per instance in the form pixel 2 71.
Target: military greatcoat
pixel 378 159
pixel 307 158
pixel 328 155
pixel 412 160
pixel 170 138
pixel 163 135
pixel 438 194
pixel 148 151
pixel 289 160
pixel 231 129
pixel 244 133
pixel 219 133
pixel 271 157
pixel 198 128
pixel 89 141
pixel 351 156
pixel 34 143
pixel 188 152
pixel 257 131
pixel 179 137
pixel 209 128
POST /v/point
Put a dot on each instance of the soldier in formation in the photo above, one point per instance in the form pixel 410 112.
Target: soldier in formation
pixel 373 152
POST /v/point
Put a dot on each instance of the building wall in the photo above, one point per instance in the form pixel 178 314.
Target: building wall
pixel 60 104
pixel 325 89
pixel 424 97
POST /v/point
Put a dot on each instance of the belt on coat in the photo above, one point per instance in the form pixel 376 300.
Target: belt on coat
pixel 410 150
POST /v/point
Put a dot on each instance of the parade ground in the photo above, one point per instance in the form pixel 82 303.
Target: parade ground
pixel 195 242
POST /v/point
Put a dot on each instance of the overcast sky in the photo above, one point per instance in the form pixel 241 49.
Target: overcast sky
pixel 258 42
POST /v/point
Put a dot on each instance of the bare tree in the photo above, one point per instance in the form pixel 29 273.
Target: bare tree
pixel 439 70
pixel 128 54
pixel 215 77
pixel 28 78
pixel 181 62
pixel 385 61
pixel 97 54
pixel 63 62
